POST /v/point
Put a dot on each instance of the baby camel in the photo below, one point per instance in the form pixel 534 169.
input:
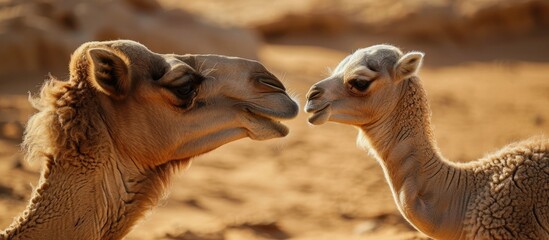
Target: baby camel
pixel 113 134
pixel 502 196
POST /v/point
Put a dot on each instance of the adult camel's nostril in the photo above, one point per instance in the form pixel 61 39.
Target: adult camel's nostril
pixel 314 93
pixel 272 83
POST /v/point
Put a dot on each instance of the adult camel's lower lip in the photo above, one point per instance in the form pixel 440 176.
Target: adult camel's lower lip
pixel 268 121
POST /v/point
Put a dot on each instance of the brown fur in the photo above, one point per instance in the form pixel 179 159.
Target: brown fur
pixel 110 142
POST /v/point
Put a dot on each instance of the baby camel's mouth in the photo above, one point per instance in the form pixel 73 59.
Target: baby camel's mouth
pixel 319 114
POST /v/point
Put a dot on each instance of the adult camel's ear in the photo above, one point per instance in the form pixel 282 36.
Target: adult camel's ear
pixel 408 65
pixel 109 72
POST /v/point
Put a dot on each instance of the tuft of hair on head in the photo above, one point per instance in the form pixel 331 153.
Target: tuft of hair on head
pixel 408 65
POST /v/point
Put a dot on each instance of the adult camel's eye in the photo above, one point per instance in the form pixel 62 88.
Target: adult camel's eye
pixel 188 85
pixel 186 94
pixel 359 86
pixel 184 91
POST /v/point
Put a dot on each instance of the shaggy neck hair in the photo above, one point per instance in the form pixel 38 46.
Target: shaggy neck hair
pixel 87 185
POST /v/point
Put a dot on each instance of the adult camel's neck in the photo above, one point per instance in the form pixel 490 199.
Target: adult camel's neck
pixel 102 203
pixel 88 189
pixel 429 191
pixel 77 202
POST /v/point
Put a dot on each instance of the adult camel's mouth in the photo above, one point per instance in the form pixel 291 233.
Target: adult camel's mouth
pixel 271 125
pixel 319 113
pixel 265 123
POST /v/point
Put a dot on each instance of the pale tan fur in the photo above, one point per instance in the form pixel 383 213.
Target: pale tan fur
pixel 114 133
pixel 501 196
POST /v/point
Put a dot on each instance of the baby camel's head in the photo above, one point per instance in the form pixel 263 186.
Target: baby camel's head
pixel 163 107
pixel 363 88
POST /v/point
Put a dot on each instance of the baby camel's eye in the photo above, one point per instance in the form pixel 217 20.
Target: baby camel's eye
pixel 359 86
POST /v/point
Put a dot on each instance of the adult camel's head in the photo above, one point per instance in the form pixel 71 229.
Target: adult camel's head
pixel 165 107
pixel 364 88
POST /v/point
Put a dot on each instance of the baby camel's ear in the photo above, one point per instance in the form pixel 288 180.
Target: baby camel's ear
pixel 408 65
pixel 109 72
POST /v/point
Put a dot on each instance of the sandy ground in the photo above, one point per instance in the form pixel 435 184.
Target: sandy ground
pixel 315 183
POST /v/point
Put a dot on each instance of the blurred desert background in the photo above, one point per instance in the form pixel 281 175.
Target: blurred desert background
pixel 486 72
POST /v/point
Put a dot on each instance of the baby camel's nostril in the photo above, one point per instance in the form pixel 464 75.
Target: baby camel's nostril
pixel 315 92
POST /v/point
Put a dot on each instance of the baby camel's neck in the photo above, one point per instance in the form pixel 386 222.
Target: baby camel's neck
pixel 429 191
pixel 73 202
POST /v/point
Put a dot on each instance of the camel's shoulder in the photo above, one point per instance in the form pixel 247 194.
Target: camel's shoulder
pixel 532 149
pixel 530 156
